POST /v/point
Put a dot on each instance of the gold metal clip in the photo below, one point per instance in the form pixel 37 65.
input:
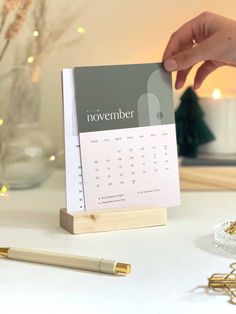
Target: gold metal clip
pixel 225 283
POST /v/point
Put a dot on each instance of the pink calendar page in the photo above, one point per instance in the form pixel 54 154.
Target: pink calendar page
pixel 130 167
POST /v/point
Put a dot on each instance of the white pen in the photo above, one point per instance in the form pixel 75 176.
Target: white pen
pixel 66 260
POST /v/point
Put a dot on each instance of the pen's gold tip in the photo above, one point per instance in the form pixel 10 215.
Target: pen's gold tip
pixel 122 268
pixel 4 251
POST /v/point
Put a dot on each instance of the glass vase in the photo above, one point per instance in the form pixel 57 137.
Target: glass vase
pixel 27 155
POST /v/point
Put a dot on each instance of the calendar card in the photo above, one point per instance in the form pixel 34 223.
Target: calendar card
pixel 127 136
pixel 74 180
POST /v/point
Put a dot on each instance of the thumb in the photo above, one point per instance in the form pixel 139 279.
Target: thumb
pixel 189 57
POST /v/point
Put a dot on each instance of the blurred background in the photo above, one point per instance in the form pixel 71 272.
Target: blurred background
pixel 111 32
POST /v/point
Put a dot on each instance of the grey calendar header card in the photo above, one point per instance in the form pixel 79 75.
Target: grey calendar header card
pixel 122 96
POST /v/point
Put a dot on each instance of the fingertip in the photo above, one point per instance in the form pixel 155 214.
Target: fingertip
pixel 197 85
pixel 197 82
pixel 180 80
pixel 170 65
pixel 179 85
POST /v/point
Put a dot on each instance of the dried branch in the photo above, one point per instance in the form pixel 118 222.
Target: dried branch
pixel 7 42
pixel 8 6
pixel 47 39
pixel 49 35
pixel 20 17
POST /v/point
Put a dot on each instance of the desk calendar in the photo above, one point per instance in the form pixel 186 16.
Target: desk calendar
pixel 120 142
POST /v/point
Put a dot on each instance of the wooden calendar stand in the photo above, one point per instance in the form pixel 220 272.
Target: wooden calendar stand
pixel 108 220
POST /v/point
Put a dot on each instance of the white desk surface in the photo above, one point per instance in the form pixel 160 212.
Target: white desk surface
pixel 171 264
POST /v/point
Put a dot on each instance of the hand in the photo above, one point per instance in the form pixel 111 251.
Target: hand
pixel 209 38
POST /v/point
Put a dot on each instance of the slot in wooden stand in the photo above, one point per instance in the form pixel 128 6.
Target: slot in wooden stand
pixel 108 220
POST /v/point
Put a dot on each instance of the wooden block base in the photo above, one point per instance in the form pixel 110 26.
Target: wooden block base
pixel 108 220
pixel 207 178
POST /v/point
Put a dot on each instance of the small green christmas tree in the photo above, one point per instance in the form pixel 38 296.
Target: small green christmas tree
pixel 191 129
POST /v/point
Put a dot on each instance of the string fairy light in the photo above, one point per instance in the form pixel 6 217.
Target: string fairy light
pixel 3 191
pixel 52 158
pixel 30 59
pixel 35 33
pixel 81 30
pixel 1 122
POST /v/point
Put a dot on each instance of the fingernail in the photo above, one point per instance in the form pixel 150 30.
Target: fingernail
pixel 170 65
pixel 179 85
pixel 196 85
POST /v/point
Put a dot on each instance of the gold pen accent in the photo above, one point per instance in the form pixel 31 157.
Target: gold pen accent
pixel 4 251
pixel 66 260
pixel 122 268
